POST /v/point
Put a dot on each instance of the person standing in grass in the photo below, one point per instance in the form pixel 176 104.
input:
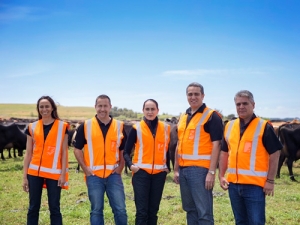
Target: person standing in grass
pixel 102 139
pixel 150 164
pixel 46 161
pixel 199 139
pixel 249 154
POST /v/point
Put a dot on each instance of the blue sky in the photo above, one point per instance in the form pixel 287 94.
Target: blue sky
pixel 134 50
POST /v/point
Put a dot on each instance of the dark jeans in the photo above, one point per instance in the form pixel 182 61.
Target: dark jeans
pixel 148 189
pixel 248 204
pixel 35 196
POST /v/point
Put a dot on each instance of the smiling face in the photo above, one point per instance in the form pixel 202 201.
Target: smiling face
pixel 45 108
pixel 103 108
pixel 244 108
pixel 150 110
pixel 194 97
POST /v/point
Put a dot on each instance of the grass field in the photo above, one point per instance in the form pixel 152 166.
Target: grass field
pixel 283 208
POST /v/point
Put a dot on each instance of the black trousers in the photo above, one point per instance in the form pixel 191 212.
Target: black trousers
pixel 148 189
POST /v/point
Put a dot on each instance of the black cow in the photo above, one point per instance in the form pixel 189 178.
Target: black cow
pixel 15 148
pixel 289 135
pixel 173 142
pixel 127 128
pixel 12 134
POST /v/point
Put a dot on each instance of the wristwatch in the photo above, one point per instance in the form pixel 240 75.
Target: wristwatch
pixel 211 172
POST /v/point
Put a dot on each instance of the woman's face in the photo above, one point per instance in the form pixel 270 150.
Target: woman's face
pixel 45 108
pixel 150 110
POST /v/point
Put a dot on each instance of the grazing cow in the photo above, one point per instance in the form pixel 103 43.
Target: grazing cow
pixel 289 135
pixel 12 134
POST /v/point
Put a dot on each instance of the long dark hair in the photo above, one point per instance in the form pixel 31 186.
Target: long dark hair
pixel 54 113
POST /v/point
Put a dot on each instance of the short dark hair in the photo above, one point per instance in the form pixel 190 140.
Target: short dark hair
pixel 54 113
pixel 245 93
pixel 195 84
pixel 152 100
pixel 102 97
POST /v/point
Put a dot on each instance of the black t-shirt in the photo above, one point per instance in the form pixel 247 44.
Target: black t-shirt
pixel 80 140
pixel 46 128
pixel 269 139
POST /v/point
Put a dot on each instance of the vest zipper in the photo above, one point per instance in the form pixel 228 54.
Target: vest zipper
pixel 153 154
pixel 41 159
pixel 236 163
pixel 104 162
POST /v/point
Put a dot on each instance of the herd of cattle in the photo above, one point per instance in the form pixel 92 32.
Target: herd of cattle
pixel 12 137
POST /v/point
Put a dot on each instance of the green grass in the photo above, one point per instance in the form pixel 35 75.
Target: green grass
pixel 283 208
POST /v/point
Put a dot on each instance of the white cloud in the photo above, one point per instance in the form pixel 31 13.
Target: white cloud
pixel 204 72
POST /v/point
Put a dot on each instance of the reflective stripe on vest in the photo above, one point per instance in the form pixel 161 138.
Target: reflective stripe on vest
pixel 141 153
pixel 195 155
pixel 53 169
pixel 251 171
pixel 91 150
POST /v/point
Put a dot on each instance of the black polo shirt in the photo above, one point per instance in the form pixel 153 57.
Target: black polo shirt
pixel 80 140
pixel 269 139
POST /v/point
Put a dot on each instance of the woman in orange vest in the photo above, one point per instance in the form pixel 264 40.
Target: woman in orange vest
pixel 150 164
pixel 46 161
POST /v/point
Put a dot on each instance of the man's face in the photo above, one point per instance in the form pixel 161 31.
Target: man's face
pixel 244 107
pixel 103 108
pixel 194 97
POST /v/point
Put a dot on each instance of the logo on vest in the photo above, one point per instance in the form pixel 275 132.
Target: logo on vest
pixel 113 146
pixel 160 146
pixel 192 134
pixel 50 150
pixel 247 146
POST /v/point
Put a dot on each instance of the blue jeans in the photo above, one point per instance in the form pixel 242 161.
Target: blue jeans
pixel 196 200
pixel 113 186
pixel 148 189
pixel 248 204
pixel 35 195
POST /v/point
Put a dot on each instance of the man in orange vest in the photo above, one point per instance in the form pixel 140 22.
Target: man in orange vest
pixel 199 139
pixel 102 139
pixel 249 154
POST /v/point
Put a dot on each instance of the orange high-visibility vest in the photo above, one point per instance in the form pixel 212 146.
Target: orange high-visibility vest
pixel 102 156
pixel 194 144
pixel 248 161
pixel 150 152
pixel 46 156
